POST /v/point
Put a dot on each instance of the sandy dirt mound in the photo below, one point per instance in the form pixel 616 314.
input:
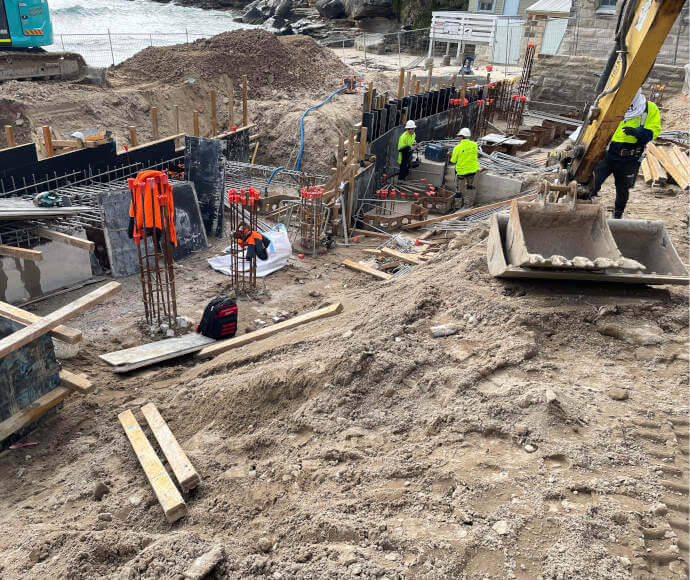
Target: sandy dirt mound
pixel 287 65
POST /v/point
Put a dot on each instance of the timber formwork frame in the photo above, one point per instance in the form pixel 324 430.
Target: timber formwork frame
pixel 154 250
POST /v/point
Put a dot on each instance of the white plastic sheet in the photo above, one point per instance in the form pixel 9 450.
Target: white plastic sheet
pixel 278 253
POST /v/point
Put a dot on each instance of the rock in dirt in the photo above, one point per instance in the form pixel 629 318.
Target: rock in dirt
pixel 618 394
pixel 265 544
pixel 530 448
pixel 501 527
pixel 105 517
pixel 646 335
pixel 204 565
pixel 100 490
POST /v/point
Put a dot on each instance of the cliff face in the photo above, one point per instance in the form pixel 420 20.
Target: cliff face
pixel 417 13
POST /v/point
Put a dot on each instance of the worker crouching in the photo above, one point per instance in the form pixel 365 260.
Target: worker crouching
pixel 255 243
pixel 640 125
pixel 407 139
pixel 466 158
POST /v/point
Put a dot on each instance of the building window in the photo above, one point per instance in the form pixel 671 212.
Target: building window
pixel 485 5
pixel 606 7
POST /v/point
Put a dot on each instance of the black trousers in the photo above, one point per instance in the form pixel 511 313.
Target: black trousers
pixel 624 174
pixel 405 164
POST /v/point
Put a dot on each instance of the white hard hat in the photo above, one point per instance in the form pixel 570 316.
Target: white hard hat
pixel 465 132
pixel 410 125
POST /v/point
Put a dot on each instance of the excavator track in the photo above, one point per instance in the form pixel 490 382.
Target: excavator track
pixel 33 65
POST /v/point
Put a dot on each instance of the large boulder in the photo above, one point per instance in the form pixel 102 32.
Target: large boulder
pixel 360 9
pixel 260 11
pixel 331 8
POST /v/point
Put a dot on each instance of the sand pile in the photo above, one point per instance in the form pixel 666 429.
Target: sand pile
pixel 285 64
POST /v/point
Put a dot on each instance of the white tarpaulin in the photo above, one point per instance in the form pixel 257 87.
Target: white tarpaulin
pixel 278 253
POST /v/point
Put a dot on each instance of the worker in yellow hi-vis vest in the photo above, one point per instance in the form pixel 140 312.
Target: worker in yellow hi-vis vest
pixel 407 139
pixel 466 158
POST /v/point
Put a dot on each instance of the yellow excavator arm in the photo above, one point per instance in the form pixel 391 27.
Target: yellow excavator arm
pixel 642 28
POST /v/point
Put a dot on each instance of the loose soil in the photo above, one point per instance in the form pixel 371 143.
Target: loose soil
pixel 547 438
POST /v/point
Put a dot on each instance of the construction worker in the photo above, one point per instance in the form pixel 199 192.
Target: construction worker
pixel 407 139
pixel 255 243
pixel 640 125
pixel 466 158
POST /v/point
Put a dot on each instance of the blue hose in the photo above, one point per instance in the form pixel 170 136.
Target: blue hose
pixel 301 123
pixel 276 170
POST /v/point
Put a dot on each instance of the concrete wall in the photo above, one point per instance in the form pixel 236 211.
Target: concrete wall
pixel 572 79
pixel 62 266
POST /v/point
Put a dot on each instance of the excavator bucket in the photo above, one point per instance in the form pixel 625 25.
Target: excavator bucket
pixel 564 236
pixel 643 241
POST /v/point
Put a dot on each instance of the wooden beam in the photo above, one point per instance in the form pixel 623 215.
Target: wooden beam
pixel 363 143
pixel 407 258
pixel 184 471
pixel 195 116
pixel 162 140
pixel 401 84
pixel 133 136
pixel 225 345
pixel 9 135
pixel 245 117
pixel 24 417
pixel 177 118
pixel 154 122
pixel 48 141
pixel 63 333
pixel 80 243
pixel 408 84
pixel 21 253
pixel 47 323
pixel 372 251
pixel 370 94
pixel 231 107
pixel 368 270
pixel 214 114
pixel 675 170
pixel 80 383
pixel 168 496
pixel 339 161
pixel 417 86
pixel 460 214
pixel 256 148
pixel 372 234
pixel 429 77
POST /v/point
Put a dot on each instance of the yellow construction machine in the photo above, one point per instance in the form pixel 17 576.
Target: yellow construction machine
pixel 564 235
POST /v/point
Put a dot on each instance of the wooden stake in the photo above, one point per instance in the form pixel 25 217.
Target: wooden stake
pixel 370 94
pixel 9 134
pixel 225 345
pixel 453 80
pixel 231 106
pixel 196 123
pixel 339 161
pixel 183 469
pixel 47 323
pixel 351 147
pixel 80 383
pixel 214 115
pixel 177 118
pixel 256 148
pixel 429 78
pixel 363 143
pixel 401 84
pixel 48 141
pixel 407 258
pixel 170 499
pixel 133 136
pixel 245 118
pixel 417 86
pixel 408 84
pixel 154 122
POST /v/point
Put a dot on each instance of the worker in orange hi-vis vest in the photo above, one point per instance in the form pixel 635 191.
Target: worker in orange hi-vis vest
pixel 155 184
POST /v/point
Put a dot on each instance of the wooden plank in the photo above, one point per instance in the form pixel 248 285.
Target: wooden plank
pixel 363 143
pixel 225 345
pixel 429 78
pixel 169 348
pixel 25 335
pixel 372 234
pixel 24 417
pixel 132 136
pixel 9 135
pixel 366 269
pixel 245 116
pixel 256 148
pixel 48 141
pixel 162 140
pixel 372 251
pixel 401 83
pixel 81 243
pixel 408 258
pixel 468 212
pixel 22 253
pixel 168 496
pixel 682 158
pixel 673 169
pixel 184 471
pixel 80 383
pixel 63 333
pixel 154 123
pixel 646 171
